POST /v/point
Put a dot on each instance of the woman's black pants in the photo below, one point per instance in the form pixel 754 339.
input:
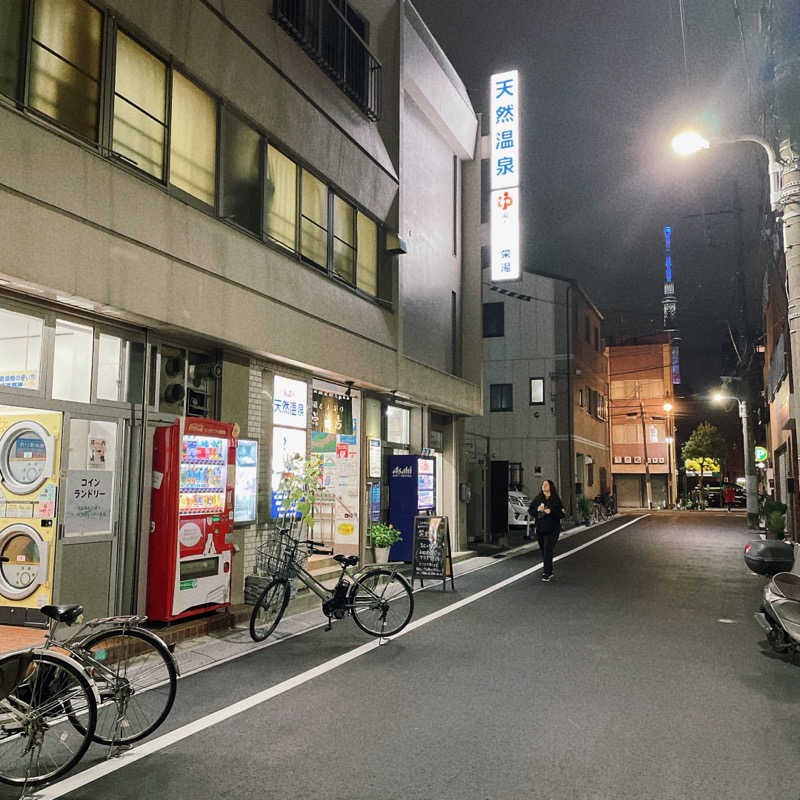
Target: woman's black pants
pixel 547 546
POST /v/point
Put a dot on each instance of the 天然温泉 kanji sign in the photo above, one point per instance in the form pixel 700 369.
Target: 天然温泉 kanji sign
pixel 505 173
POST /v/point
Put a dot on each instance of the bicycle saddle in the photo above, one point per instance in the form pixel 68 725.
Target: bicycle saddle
pixel 349 561
pixel 66 614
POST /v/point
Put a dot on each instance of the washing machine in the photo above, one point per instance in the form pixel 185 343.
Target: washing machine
pixel 29 470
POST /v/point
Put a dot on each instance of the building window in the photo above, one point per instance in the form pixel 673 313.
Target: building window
pixel 580 398
pixel 280 212
pixel 586 330
pixel 590 474
pixel 398 425
pixel 501 397
pixel 629 433
pixel 648 388
pixel 65 64
pixel 485 182
pixel 537 391
pixel 12 18
pixel 344 239
pixel 20 350
pixel 140 107
pixel 367 254
pixel 72 362
pixel 241 173
pixel 334 35
pixel 314 219
pixel 493 320
pixel 597 339
pixel 193 140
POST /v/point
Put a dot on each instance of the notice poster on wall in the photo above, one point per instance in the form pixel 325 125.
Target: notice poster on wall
pixel 337 517
pixel 88 500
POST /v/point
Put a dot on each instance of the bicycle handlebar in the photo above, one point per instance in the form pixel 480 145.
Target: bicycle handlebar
pixel 318 548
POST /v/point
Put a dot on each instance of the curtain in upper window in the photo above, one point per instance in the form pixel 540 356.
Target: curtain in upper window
pixel 314 220
pixel 241 172
pixel 344 251
pixel 11 49
pixel 193 140
pixel 140 106
pixel 367 255
pixel 65 63
pixel 280 212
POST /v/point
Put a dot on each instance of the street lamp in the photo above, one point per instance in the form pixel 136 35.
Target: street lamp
pixel 751 481
pixel 670 438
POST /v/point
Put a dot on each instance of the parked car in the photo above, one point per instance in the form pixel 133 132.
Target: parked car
pixel 713 497
pixel 518 503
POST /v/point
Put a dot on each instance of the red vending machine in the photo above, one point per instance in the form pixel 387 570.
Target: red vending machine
pixel 191 518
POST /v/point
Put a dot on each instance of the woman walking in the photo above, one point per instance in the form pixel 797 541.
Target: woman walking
pixel 547 510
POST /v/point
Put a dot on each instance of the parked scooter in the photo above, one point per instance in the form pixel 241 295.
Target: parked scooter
pixel 779 616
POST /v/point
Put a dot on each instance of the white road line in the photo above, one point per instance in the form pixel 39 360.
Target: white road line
pixel 98 771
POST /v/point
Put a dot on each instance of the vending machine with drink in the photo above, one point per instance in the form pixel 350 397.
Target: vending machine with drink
pixel 191 518
pixel 412 492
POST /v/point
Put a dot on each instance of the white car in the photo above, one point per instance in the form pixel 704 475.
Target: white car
pixel 518 503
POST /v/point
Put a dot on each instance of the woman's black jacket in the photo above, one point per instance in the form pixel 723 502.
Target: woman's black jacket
pixel 546 523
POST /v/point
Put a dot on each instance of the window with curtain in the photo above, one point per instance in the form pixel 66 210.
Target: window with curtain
pixel 12 18
pixel 631 433
pixel 344 240
pixel 140 106
pixel 193 140
pixel 501 397
pixel 65 64
pixel 537 391
pixel 314 219
pixel 367 254
pixel 241 172
pixel 280 212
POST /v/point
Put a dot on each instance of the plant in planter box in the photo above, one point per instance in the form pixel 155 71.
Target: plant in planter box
pixel 383 537
pixel 584 509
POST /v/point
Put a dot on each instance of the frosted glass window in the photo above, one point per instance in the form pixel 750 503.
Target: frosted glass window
pixel 398 425
pixel 367 259
pixel 241 173
pixel 65 63
pixel 72 362
pixel 343 239
pixel 20 350
pixel 110 350
pixel 627 434
pixel 140 102
pixel 280 213
pixel 11 19
pixel 193 140
pixel 314 219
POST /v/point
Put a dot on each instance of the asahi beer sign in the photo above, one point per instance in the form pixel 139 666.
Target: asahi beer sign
pixel 505 175
pixel 403 472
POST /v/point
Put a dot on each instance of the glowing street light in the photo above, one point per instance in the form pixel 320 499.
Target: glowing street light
pixel 751 480
pixel 688 142
pixel 667 406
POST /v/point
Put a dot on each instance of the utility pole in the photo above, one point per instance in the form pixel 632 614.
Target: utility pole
pixel 751 479
pixel 648 483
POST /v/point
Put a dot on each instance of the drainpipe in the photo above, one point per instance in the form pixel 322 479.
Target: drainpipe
pixel 570 405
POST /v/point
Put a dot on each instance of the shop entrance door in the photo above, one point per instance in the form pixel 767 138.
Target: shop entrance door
pixel 89 514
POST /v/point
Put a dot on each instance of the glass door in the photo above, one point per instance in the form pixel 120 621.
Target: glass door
pixel 90 511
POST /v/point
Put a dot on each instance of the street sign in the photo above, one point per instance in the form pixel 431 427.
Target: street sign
pixel 761 454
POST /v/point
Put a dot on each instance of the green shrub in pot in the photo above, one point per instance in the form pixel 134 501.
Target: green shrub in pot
pixel 383 535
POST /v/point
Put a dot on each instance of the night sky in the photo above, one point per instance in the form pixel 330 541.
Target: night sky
pixel 605 88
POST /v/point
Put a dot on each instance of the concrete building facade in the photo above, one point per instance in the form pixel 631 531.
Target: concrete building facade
pixel 204 203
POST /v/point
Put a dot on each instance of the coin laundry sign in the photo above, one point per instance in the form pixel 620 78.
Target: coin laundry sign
pixel 505 170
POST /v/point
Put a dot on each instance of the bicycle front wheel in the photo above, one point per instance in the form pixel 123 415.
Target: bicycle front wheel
pixel 37 741
pixel 135 674
pixel 268 610
pixel 381 602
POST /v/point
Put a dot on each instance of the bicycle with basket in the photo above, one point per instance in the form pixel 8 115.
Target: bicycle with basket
pixel 378 598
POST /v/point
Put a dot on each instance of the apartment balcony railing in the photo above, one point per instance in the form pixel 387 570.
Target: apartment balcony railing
pixel 324 32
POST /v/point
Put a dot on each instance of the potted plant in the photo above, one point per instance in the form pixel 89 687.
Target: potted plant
pixel 775 514
pixel 383 537
pixel 584 509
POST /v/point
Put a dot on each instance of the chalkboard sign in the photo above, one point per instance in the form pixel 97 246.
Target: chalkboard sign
pixel 432 554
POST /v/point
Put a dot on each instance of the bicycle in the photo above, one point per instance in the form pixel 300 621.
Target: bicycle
pixel 379 599
pixel 599 513
pixel 113 686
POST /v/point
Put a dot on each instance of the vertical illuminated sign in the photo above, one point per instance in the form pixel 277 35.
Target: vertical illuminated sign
pixel 505 173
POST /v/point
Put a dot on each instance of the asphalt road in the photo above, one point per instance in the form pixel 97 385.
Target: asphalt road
pixel 638 672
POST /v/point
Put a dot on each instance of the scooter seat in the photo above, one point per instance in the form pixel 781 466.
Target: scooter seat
pixel 788 585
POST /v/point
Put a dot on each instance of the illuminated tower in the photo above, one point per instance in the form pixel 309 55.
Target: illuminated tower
pixel 670 303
